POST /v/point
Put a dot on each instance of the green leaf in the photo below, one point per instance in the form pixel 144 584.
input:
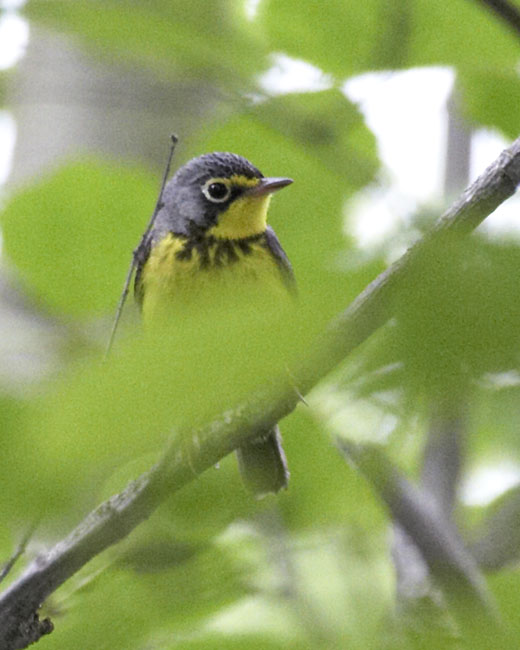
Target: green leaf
pixel 216 499
pixel 460 33
pixel 348 38
pixel 212 640
pixel 323 487
pixel 458 314
pixel 128 610
pixel 339 38
pixel 505 588
pixel 71 235
pixel 328 128
pixel 15 507
pixel 207 40
pixel 494 423
pixel 98 416
pixel 492 98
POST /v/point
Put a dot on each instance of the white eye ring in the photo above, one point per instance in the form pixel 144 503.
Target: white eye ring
pixel 216 190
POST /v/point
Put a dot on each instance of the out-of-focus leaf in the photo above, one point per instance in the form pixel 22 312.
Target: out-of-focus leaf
pixel 492 98
pixel 348 38
pixel 458 314
pixel 504 586
pixel 71 235
pixel 323 487
pixel 196 515
pixel 494 421
pixel 97 416
pixel 187 37
pixel 340 38
pixel 459 33
pixel 125 609
pixel 14 415
pixel 13 527
pixel 327 127
pixel 216 499
pixel 211 640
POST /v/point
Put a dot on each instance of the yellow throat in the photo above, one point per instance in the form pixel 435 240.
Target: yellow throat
pixel 245 217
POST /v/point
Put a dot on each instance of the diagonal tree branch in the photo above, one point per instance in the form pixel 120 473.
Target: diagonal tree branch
pixel 374 306
pixel 443 456
pixel 439 478
pixel 118 516
pixel 497 539
pixel 451 565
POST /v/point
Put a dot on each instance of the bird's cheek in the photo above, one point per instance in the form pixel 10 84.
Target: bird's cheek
pixel 204 219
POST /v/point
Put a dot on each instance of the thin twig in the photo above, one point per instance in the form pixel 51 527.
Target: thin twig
pixel 203 448
pixel 18 552
pixel 137 253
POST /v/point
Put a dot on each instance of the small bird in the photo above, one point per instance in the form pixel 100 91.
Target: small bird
pixel 211 232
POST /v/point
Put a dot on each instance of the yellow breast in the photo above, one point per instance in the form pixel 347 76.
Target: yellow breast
pixel 181 275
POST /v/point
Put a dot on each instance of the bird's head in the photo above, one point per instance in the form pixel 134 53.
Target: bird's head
pixel 218 194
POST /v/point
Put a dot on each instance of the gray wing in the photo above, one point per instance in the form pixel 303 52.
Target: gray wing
pixel 281 259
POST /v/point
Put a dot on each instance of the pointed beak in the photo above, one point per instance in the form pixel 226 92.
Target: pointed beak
pixel 268 186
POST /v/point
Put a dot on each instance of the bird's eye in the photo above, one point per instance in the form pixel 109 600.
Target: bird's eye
pixel 216 191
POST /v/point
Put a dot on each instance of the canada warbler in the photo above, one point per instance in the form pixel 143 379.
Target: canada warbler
pixel 209 232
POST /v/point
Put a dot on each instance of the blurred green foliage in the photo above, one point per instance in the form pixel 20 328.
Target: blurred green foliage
pixel 212 568
pixel 201 39
pixel 77 215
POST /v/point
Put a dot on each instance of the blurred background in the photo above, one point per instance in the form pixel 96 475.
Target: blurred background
pixel 382 113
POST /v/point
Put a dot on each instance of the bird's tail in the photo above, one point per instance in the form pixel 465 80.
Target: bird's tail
pixel 263 465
